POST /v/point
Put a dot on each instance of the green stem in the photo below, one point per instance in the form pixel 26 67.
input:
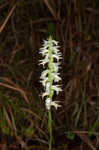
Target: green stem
pixel 50 128
pixel 50 67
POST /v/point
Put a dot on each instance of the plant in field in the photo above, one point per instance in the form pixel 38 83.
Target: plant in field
pixel 50 76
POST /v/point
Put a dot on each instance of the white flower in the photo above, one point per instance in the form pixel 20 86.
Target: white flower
pixel 47 90
pixel 45 60
pixel 55 42
pixel 50 103
pixel 56 66
pixel 56 88
pixel 56 56
pixel 56 50
pixel 50 76
pixel 44 74
pixel 43 51
pixel 55 104
pixel 44 81
pixel 56 77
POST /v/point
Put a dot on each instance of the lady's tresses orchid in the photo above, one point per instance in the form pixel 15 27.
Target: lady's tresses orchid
pixel 50 76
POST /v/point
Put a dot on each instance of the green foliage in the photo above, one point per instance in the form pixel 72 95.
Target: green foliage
pixel 83 105
pixel 77 31
pixel 28 132
pixel 94 127
pixel 3 125
pixel 20 117
pixel 70 135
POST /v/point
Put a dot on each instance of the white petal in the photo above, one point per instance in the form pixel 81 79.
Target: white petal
pixel 45 94
pixel 55 104
pixel 45 60
pixel 56 49
pixel 47 89
pixel 47 86
pixel 44 81
pixel 44 74
pixel 56 77
pixel 56 66
pixel 46 42
pixel 56 56
pixel 48 103
pixel 56 88
pixel 43 52
pixel 55 42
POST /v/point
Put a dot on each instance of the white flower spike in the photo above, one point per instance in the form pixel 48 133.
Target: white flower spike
pixel 50 76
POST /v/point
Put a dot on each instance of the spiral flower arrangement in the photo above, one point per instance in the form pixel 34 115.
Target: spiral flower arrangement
pixel 50 77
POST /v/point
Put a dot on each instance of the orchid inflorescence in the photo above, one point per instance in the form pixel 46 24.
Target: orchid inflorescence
pixel 50 76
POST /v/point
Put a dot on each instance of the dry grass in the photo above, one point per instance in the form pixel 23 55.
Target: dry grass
pixel 23 118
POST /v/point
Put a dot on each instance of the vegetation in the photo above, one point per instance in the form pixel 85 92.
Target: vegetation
pixel 23 115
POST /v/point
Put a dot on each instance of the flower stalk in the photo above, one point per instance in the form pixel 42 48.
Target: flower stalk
pixel 50 76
